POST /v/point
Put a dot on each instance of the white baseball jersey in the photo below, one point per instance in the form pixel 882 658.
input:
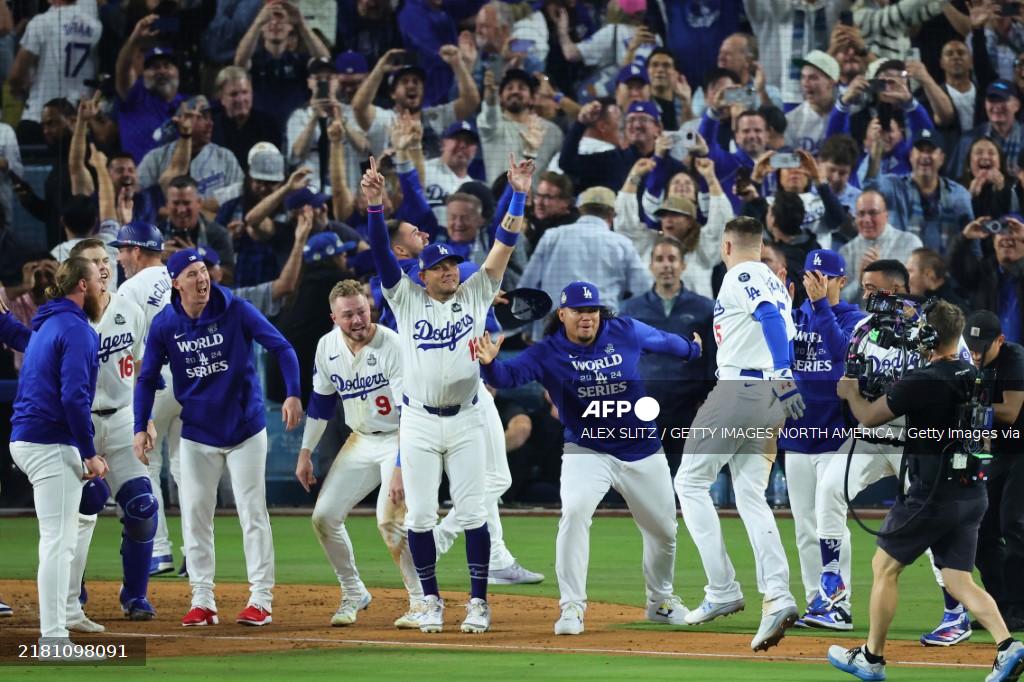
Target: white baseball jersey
pixel 150 289
pixel 121 330
pixel 64 39
pixel 369 382
pixel 741 342
pixel 439 367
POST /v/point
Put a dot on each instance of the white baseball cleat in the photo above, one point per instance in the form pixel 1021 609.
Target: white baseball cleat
pixel 5 610
pixel 432 619
pixel 773 628
pixel 83 624
pixel 514 575
pixel 410 620
pixel 708 611
pixel 671 611
pixel 349 608
pixel 571 621
pixel 478 616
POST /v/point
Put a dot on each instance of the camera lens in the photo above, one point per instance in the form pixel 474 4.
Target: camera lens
pixel 994 226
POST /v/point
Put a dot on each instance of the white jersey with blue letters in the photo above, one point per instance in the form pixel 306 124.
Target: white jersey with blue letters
pixel 741 342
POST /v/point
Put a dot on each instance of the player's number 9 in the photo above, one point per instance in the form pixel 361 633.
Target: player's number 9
pixel 383 405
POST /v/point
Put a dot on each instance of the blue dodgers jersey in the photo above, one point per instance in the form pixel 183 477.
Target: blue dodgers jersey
pixel 211 364
pixel 578 378
pixel 819 360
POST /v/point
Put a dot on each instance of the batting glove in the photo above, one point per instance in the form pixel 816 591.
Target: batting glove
pixel 785 391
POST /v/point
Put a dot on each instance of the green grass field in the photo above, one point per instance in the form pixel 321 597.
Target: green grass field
pixel 615 577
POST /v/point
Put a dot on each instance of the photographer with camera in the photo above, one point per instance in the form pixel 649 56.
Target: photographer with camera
pixel 880 359
pixel 1000 556
pixel 943 506
pixel 987 259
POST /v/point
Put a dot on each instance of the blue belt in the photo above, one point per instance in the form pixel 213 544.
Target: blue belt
pixel 442 411
pixel 752 373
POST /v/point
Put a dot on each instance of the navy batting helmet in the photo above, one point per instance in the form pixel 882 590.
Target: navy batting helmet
pixel 94 496
pixel 141 234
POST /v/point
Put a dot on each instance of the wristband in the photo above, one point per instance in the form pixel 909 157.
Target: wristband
pixel 376 208
pixel 506 237
pixel 517 206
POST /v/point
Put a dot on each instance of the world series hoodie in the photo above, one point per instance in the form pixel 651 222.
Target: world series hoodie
pixel 58 379
pixel 211 364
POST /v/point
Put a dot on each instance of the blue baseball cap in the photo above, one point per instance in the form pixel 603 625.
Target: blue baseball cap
pixel 141 234
pixel 95 493
pixel 180 260
pixel 825 261
pixel 1001 90
pixel 211 257
pixel 350 62
pixel 581 295
pixel 644 107
pixel 925 136
pixel 632 72
pixel 461 128
pixel 305 197
pixel 324 245
pixel 433 254
pixel 158 52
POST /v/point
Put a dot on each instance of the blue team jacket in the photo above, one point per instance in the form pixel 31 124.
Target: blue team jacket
pixel 578 377
pixel 211 364
pixel 819 359
pixel 58 378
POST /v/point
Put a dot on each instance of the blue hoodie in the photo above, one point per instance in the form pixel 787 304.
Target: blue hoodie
pixel 819 361
pixel 211 363
pixel 578 377
pixel 58 379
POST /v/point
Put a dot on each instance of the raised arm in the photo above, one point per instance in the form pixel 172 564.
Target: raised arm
pixel 372 186
pixel 314 46
pixel 469 97
pixel 124 75
pixel 288 280
pixel 266 207
pixel 362 101
pixel 81 181
pixel 520 177
pixel 105 192
pixel 181 156
pixel 341 196
pixel 247 45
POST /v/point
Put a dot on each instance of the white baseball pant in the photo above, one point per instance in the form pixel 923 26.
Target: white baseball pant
pixel 364 462
pixel 729 405
pixel 167 421
pixel 498 478
pixel 646 487
pixel 55 472
pixel 201 469
pixel 455 444
pixel 804 473
pixel 113 439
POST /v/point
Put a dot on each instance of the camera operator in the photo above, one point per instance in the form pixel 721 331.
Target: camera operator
pixel 943 506
pixel 1000 557
pixel 880 456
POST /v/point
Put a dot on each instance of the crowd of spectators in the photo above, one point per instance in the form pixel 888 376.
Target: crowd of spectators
pixel 879 128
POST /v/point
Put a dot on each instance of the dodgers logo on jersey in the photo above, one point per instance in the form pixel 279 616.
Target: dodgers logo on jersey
pixel 447 336
pixel 371 361
pixel 114 344
pixel 358 386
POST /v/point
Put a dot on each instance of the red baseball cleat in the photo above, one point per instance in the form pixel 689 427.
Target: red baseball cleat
pixel 254 615
pixel 199 616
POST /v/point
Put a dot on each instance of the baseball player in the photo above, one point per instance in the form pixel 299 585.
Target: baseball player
pixel 823 324
pixel 206 336
pixel 358 361
pixel 589 358
pixel 873 462
pixel 442 425
pixel 121 326
pixel 755 392
pixel 51 429
pixel 139 245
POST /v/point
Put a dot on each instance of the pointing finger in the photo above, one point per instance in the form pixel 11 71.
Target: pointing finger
pixel 373 166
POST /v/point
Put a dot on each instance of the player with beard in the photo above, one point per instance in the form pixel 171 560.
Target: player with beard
pixel 514 126
pixel 445 174
pixel 52 431
pixel 148 99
